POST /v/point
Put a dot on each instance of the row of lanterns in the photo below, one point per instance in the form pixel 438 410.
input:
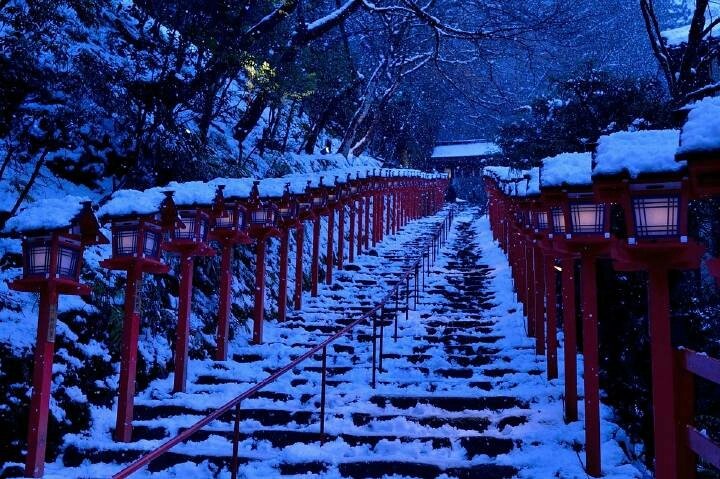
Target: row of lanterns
pixel 144 224
pixel 569 209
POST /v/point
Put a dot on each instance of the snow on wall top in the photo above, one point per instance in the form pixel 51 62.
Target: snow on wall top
pixel 675 37
pixel 637 152
pixel 481 148
pixel 701 132
pixel 47 214
pixel 571 169
pixel 530 186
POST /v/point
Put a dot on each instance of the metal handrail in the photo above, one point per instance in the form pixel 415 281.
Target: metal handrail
pixel 438 238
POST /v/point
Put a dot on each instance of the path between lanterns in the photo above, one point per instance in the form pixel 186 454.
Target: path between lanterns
pixel 461 394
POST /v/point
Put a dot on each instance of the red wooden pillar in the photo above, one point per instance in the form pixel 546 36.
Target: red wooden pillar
pixel 351 234
pixel 128 358
pixel 539 299
pixel 223 331
pixel 664 377
pixel 329 253
pixel 592 364
pixel 259 307
pixel 315 266
pixel 299 240
pixel 42 381
pixel 381 216
pixel 341 237
pixel 396 209
pixel 570 330
pixel 360 230
pixel 283 273
pixel 183 327
pixel 551 309
pixel 376 218
pixel 528 288
pixel 388 219
pixel 367 222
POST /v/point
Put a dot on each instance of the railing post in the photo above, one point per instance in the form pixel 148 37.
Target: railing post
pixel 397 309
pixel 322 394
pixel 407 297
pixel 382 338
pixel 374 348
pixel 236 443
pixel 417 284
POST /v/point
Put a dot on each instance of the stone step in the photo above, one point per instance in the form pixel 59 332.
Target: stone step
pixel 447 403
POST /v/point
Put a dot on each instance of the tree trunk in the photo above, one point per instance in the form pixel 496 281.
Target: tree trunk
pixel 29 184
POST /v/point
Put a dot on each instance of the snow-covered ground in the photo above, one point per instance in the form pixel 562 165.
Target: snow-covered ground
pixel 461 394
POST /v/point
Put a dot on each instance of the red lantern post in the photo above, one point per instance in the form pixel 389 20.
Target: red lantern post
pixel 229 227
pixel 263 225
pixel 588 223
pixel 52 259
pixel 655 205
pixel 305 212
pixel 188 239
pixel 289 217
pixel 136 249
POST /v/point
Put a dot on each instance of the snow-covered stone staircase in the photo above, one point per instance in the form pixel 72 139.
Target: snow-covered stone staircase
pixel 457 395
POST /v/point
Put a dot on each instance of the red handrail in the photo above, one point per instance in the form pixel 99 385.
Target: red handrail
pixel 440 235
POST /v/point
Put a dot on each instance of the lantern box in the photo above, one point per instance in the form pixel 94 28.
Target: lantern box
pixel 55 254
pixel 136 241
pixel 288 209
pixel 229 221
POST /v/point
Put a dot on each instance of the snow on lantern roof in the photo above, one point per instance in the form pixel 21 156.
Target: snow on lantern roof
pixel 566 169
pixel 466 149
pixel 198 193
pixel 46 215
pixel 133 202
pixel 701 132
pixel 637 152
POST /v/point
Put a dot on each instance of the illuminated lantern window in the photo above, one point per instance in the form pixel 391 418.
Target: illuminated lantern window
pixel 125 239
pixel 656 216
pixel 264 215
pixel 541 220
pixel 558 218
pixel 194 227
pixel 68 260
pixel 37 257
pixel 587 218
